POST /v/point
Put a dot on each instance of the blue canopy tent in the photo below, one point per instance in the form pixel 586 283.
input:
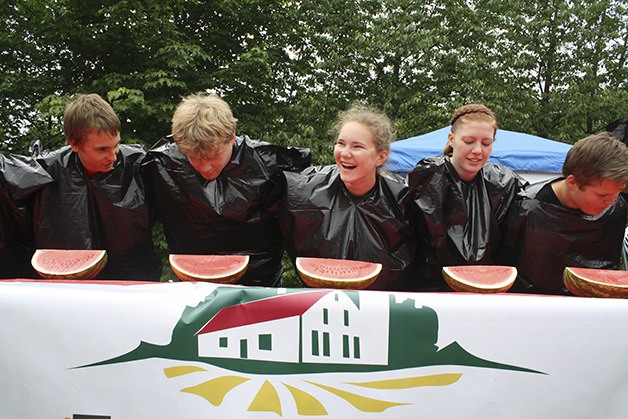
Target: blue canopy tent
pixel 535 158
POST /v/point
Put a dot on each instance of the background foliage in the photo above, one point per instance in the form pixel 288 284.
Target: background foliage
pixel 551 68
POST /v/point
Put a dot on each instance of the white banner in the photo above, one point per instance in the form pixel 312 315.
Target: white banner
pixel 188 350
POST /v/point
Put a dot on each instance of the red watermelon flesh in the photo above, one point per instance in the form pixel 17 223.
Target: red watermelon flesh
pixel 337 273
pixel 68 264
pixel 224 269
pixel 480 278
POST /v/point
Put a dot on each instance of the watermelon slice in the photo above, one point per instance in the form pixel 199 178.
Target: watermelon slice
pixel 480 278
pixel 68 264
pixel 221 269
pixel 337 273
pixel 587 282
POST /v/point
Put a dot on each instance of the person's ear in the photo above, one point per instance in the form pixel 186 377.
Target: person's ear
pixel 572 183
pixel 450 139
pixel 381 157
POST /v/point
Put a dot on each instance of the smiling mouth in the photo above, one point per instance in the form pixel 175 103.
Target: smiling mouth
pixel 348 166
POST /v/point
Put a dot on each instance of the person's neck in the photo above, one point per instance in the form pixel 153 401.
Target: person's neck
pixel 561 190
pixel 361 189
pixel 88 172
pixel 464 176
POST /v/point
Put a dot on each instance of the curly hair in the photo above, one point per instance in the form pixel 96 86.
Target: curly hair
pixel 377 122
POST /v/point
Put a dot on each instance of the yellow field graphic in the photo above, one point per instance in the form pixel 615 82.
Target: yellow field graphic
pixel 182 370
pixel 401 383
pixel 215 390
pixel 307 405
pixel 267 398
pixel 365 404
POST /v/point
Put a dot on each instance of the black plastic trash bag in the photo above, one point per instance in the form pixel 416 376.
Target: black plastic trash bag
pixel 20 177
pixel 227 215
pixel 107 211
pixel 619 129
pixel 319 218
pixel 541 239
pixel 459 222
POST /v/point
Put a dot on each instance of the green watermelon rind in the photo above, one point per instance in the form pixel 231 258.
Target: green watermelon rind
pixel 583 286
pixel 459 284
pixel 227 277
pixel 97 261
pixel 317 280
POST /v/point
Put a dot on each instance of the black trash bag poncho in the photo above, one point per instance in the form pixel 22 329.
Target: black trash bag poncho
pixel 458 222
pixel 20 177
pixel 106 211
pixel 541 239
pixel 319 218
pixel 227 215
pixel 619 129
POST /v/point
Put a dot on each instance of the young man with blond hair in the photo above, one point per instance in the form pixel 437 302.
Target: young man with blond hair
pixel 212 189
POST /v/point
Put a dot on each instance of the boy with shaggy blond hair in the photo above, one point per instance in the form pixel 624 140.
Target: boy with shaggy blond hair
pixel 212 189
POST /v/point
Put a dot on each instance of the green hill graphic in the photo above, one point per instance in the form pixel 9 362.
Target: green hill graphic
pixel 412 337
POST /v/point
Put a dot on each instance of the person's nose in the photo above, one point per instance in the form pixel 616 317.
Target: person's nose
pixel 113 155
pixel 204 166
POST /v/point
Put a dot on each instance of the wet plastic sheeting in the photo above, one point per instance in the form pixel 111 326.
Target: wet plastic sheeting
pixel 20 177
pixel 542 239
pixel 459 222
pixel 319 218
pixel 107 211
pixel 227 215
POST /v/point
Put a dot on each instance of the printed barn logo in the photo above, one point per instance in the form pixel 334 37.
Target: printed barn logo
pixel 307 347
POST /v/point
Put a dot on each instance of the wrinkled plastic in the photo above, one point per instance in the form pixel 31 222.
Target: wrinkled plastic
pixel 107 211
pixel 459 222
pixel 541 239
pixel 624 250
pixel 619 128
pixel 319 218
pixel 227 215
pixel 20 177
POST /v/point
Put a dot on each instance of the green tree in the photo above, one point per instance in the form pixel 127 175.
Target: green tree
pixel 553 58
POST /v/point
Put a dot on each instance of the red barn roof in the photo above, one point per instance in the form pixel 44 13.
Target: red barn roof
pixel 260 311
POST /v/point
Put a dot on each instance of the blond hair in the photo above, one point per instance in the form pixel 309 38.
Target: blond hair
pixel 377 122
pixel 88 113
pixel 202 123
pixel 468 113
